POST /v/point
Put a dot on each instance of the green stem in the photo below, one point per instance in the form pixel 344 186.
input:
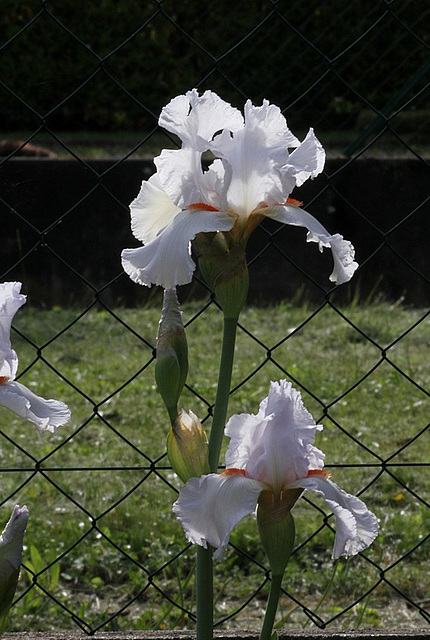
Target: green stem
pixel 272 607
pixel 204 568
pixel 204 588
pixel 223 392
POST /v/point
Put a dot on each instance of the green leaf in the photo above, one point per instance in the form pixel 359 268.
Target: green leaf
pixel 36 559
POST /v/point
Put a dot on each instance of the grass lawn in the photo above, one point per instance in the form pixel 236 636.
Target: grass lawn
pixel 101 536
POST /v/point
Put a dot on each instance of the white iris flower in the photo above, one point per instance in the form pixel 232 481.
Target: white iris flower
pixel 271 451
pixel 252 177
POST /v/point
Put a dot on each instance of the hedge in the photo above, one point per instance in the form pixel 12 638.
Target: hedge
pixel 112 64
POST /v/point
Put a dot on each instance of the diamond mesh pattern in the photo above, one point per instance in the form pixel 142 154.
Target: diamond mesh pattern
pixel 362 84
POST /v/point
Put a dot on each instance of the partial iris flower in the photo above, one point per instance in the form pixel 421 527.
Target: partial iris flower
pixel 251 177
pixel 11 541
pixel 47 415
pixel 271 459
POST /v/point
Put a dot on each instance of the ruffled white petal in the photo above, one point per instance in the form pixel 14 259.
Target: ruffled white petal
pixel 210 507
pixel 269 119
pixel 182 179
pixel 342 250
pixel 356 526
pixel 195 119
pixel 214 185
pixel 181 174
pixel 254 154
pixel 276 445
pixel 151 211
pixel 11 541
pixel 10 301
pixel 47 415
pixel 343 258
pixel 307 161
pixel 166 261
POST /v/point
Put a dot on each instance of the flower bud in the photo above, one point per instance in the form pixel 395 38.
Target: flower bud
pixel 11 541
pixel 276 527
pixel 187 447
pixel 171 366
pixel 222 261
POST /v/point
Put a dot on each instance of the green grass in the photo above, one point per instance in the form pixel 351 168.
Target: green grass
pixel 101 532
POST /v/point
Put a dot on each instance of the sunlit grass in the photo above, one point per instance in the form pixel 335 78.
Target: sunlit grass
pixel 101 533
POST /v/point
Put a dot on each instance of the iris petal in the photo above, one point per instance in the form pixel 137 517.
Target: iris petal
pixel 307 161
pixel 166 261
pixel 276 445
pixel 254 155
pixel 47 415
pixel 210 507
pixel 151 210
pixel 342 250
pixel 356 526
pixel 195 119
pixel 10 301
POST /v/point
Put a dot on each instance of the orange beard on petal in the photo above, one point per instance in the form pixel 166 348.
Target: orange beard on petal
pixel 233 472
pixel 293 203
pixel 201 206
pixel 3 379
pixel 289 201
pixel 318 472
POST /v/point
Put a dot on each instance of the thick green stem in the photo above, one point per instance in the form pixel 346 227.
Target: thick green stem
pixel 204 627
pixel 223 392
pixel 204 568
pixel 272 607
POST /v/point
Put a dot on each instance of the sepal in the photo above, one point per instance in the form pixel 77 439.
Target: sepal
pixel 276 527
pixel 222 262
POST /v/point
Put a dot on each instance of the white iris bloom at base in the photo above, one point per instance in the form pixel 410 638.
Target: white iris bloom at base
pixel 47 415
pixel 252 177
pixel 270 451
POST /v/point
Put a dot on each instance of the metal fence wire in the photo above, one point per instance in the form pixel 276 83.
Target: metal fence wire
pixel 358 72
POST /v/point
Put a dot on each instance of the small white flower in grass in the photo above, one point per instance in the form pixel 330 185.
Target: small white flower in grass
pixel 11 541
pixel 252 177
pixel 47 415
pixel 270 461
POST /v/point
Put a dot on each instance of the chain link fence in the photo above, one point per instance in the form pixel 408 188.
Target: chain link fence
pixel 79 77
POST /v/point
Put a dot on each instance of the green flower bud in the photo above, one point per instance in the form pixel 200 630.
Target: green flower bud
pixel 187 447
pixel 171 366
pixel 276 527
